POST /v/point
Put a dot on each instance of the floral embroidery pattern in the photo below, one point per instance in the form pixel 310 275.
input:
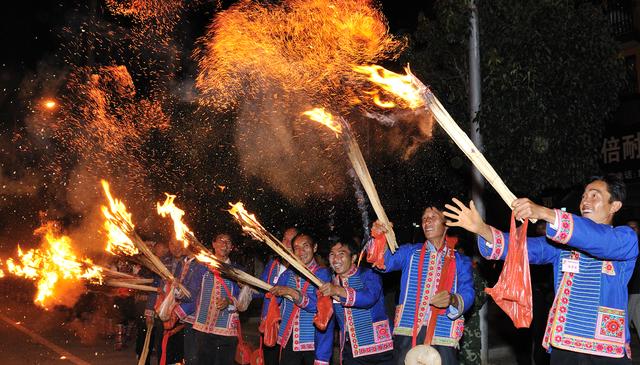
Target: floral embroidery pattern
pixel 607 268
pixel 611 324
pixel 565 227
pixel 498 244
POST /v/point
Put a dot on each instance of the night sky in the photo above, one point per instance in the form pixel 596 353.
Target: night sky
pixel 36 36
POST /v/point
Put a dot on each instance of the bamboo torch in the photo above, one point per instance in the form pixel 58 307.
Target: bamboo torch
pixel 123 238
pixel 342 129
pixel 415 95
pixel 198 250
pixel 251 226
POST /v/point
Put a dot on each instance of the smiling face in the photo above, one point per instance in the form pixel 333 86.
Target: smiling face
pixel 433 225
pixel 304 248
pixel 222 246
pixel 341 259
pixel 596 203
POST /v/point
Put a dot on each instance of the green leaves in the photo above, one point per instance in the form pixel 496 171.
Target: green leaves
pixel 551 79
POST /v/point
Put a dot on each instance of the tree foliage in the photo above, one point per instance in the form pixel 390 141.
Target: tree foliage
pixel 551 76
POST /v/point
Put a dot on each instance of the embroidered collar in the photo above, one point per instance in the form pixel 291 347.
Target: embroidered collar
pixel 351 272
pixel 313 265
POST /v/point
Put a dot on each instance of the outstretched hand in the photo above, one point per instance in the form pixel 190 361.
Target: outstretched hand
pixel 466 217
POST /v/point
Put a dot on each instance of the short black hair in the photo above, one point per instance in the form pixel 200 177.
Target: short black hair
pixel 304 232
pixel 345 242
pixel 615 186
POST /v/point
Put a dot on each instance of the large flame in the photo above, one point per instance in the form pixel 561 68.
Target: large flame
pixel 298 45
pixel 118 225
pixel 247 221
pixel 52 265
pixel 169 208
pixel 402 87
pixel 325 118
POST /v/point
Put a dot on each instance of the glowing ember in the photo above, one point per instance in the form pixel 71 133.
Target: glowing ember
pixel 403 87
pixel 117 224
pixel 295 44
pixel 49 104
pixel 52 264
pixel 168 208
pixel 325 118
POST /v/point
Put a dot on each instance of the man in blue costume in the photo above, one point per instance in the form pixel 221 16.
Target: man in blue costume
pixel 436 288
pixel 592 262
pixel 365 336
pixel 300 341
pixel 271 273
pixel 216 318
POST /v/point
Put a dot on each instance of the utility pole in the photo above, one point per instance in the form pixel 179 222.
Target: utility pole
pixel 477 181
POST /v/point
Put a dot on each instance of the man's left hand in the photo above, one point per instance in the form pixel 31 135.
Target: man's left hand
pixel 441 300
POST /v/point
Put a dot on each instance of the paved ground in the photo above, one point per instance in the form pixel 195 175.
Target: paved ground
pixel 29 335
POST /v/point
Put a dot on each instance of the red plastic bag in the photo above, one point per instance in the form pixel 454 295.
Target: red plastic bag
pixel 325 311
pixel 244 351
pixel 377 248
pixel 512 292
pixel 269 327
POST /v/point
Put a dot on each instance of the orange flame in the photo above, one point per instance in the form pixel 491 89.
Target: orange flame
pixel 52 264
pixel 118 224
pixel 403 87
pixel 295 44
pixel 325 118
pixel 168 208
pixel 247 221
pixel 207 259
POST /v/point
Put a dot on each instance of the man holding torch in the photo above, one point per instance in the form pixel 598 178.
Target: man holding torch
pixel 216 318
pixel 189 273
pixel 436 288
pixel 300 341
pixel 271 273
pixel 592 262
pixel 365 336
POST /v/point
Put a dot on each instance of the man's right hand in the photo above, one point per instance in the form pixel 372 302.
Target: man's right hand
pixel 285 291
pixel 378 229
pixel 467 217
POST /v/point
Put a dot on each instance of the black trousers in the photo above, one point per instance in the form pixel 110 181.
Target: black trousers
pixel 290 357
pixel 190 345
pixel 559 357
pixel 271 355
pixel 383 358
pixel 215 349
pixel 402 345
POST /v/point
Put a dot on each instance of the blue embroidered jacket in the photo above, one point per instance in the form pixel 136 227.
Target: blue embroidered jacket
pixel 170 263
pixel 189 273
pixel 306 337
pixel 449 326
pixel 367 324
pixel 208 318
pixel 592 265
pixel 270 274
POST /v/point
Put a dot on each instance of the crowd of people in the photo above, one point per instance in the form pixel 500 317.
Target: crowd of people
pixel 588 322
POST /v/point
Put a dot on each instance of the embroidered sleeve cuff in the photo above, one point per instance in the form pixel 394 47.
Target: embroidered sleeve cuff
pixel 498 244
pixel 304 301
pixel 455 312
pixel 350 300
pixel 564 227
pixel 180 312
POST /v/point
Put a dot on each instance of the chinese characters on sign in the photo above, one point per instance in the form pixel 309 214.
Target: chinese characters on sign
pixel 621 154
